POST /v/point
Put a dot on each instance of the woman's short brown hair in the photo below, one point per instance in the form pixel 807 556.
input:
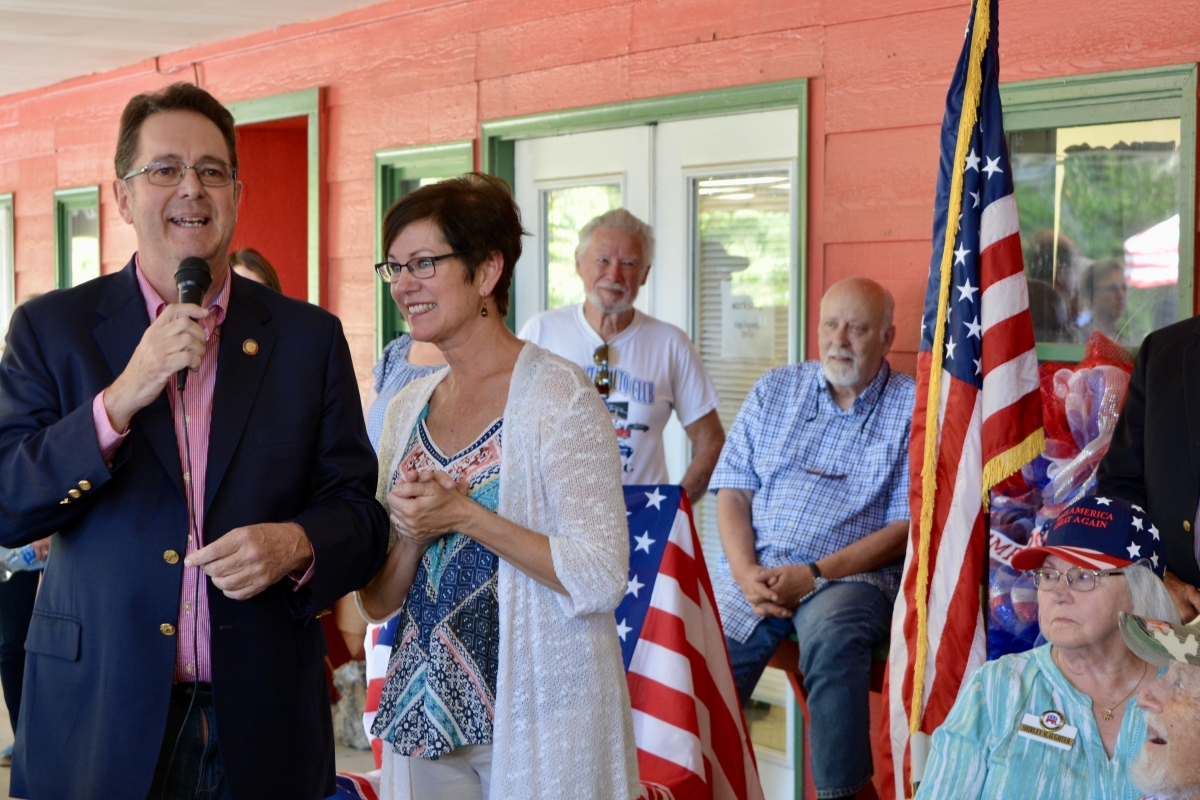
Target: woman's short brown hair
pixel 477 216
pixel 257 263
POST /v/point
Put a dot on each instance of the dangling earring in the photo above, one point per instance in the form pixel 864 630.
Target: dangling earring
pixel 483 311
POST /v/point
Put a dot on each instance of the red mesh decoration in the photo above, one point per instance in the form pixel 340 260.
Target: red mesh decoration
pixel 1103 351
pixel 1100 351
pixel 1059 441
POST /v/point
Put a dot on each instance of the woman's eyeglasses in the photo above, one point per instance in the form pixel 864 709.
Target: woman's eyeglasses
pixel 421 267
pixel 1081 580
pixel 601 381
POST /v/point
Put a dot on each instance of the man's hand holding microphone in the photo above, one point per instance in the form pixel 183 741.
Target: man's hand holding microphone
pixel 247 560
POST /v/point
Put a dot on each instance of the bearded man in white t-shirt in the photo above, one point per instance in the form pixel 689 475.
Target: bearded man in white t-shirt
pixel 644 367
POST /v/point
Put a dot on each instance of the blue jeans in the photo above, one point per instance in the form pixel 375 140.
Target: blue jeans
pixel 837 629
pixel 16 610
pixel 196 770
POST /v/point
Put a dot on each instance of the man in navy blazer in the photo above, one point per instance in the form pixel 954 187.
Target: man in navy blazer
pixel 169 659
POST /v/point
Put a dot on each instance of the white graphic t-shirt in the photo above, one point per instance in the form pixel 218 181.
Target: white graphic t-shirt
pixel 653 368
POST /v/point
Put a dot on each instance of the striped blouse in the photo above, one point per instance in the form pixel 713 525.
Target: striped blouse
pixel 977 752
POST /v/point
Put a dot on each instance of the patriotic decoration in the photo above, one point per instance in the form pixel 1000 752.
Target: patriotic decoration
pixel 692 740
pixel 977 417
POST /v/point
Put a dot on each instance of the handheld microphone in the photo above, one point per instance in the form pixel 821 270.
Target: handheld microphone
pixel 193 279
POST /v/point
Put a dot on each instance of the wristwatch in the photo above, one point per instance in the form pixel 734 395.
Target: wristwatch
pixel 819 580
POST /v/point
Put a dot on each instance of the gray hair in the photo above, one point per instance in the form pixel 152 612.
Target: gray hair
pixel 1148 594
pixel 618 219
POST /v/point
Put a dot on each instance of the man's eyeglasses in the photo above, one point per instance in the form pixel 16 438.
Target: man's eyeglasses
pixel 601 381
pixel 169 172
pixel 1081 580
pixel 421 267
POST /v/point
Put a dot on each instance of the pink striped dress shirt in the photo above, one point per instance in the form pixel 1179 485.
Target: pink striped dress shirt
pixel 192 644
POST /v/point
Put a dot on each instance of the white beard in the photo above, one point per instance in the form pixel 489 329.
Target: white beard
pixel 839 375
pixel 619 307
pixel 1156 774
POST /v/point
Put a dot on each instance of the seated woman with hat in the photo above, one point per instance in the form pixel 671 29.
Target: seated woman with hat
pixel 1061 720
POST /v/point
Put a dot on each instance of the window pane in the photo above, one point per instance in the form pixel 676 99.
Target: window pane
pixel 743 267
pixel 1099 218
pixel 83 232
pixel 567 210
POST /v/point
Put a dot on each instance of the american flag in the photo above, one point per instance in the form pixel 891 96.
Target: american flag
pixel 978 416
pixel 692 741
pixel 691 736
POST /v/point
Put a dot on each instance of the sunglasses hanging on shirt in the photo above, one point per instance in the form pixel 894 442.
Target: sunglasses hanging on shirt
pixel 601 381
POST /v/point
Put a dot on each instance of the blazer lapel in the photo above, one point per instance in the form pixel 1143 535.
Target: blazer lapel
pixel 123 322
pixel 1191 396
pixel 239 374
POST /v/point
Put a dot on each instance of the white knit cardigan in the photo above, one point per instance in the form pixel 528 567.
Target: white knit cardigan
pixel 563 727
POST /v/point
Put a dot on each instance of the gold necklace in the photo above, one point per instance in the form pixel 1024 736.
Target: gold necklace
pixel 1108 712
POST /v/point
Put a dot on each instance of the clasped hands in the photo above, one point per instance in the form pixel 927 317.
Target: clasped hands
pixel 424 506
pixel 775 591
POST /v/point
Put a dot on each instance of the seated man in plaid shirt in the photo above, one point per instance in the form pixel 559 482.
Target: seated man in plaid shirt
pixel 812 504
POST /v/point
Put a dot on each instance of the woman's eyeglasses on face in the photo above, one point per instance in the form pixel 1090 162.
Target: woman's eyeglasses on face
pixel 601 381
pixel 421 267
pixel 1081 580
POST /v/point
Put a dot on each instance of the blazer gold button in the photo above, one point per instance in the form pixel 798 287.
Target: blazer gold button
pixel 66 501
pixel 167 629
pixel 1187 526
pixel 74 494
pixel 250 347
pixel 85 485
pixel 171 557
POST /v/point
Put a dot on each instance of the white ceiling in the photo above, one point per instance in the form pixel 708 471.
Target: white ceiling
pixel 46 41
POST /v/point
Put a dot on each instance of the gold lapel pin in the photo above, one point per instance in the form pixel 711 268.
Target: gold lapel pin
pixel 250 347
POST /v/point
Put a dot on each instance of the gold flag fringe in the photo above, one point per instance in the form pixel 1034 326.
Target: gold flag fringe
pixel 1000 467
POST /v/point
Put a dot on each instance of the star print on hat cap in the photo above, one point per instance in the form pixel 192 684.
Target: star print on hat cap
pixel 1099 533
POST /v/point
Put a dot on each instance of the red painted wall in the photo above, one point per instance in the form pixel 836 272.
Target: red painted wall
pixel 420 71
pixel 273 215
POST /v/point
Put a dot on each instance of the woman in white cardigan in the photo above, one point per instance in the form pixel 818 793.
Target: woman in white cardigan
pixel 501 476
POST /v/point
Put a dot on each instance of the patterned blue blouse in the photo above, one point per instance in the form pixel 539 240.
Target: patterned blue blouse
pixel 392 373
pixel 440 692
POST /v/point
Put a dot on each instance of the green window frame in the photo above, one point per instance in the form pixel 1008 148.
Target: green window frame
pixel 308 103
pixel 499 137
pixel 66 201
pixel 8 264
pixel 393 168
pixel 1108 97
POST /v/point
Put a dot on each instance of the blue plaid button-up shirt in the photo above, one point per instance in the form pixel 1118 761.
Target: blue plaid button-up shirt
pixel 822 478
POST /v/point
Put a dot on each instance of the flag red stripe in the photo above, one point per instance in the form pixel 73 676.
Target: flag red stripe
pixel 1002 260
pixel 1006 340
pixel 954 649
pixel 1011 425
pixel 662 702
pixel 683 783
pixel 960 404
pixel 680 566
pixel 668 631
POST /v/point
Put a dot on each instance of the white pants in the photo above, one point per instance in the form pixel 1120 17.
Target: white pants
pixel 464 774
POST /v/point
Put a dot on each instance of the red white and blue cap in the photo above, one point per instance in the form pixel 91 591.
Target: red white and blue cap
pixel 1098 533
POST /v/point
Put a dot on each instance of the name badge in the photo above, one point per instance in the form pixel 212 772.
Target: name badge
pixel 1050 728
